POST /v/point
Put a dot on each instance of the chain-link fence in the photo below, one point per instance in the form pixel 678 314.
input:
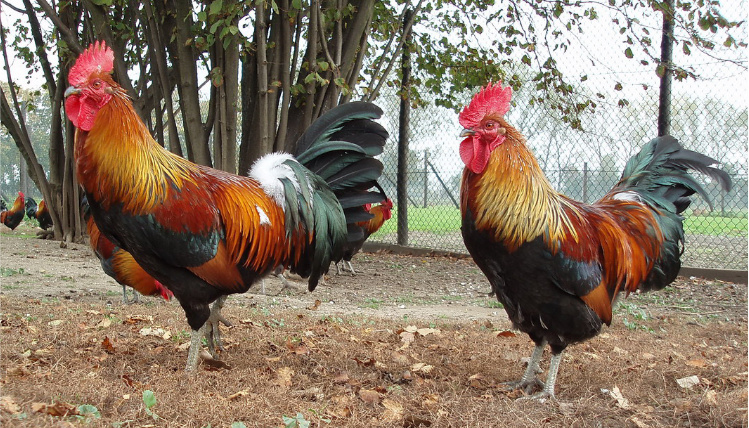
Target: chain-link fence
pixel 707 115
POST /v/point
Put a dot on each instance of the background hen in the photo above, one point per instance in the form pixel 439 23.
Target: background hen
pixel 39 212
pixel 381 213
pixel 12 217
pixel 557 264
pixel 120 265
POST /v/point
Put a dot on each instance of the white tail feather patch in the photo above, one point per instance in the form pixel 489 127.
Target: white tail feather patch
pixel 269 170
pixel 627 196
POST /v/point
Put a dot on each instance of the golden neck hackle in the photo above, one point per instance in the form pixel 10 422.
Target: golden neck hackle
pixel 513 200
pixel 119 162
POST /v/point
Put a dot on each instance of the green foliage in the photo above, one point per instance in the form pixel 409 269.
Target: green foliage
pixel 297 421
pixel 149 400
pixel 86 412
pixel 4 271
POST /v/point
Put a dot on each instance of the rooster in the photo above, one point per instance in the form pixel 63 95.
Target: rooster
pixel 120 265
pixel 206 233
pixel 557 264
pixel 381 213
pixel 12 217
pixel 39 213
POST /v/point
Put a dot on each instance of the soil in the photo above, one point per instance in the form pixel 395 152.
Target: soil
pixel 408 341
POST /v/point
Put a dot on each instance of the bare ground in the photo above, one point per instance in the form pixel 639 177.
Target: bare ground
pixel 409 341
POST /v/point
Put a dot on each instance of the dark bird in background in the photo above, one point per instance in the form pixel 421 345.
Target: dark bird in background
pixel 557 264
pixel 12 217
pixel 40 212
pixel 120 265
pixel 205 233
pixel 380 213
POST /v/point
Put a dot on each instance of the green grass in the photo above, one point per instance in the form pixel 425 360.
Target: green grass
pixel 446 219
pixel 436 219
pixel 715 225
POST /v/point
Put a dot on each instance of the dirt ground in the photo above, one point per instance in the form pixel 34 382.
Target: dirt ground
pixel 409 341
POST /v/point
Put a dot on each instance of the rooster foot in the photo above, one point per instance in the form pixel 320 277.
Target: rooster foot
pixel 45 234
pixel 527 386
pixel 126 301
pixel 541 397
pixel 212 332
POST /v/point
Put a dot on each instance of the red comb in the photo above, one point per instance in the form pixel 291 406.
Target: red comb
pixel 491 99
pixel 96 58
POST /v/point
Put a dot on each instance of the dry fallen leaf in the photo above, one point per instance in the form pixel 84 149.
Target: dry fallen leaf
pixel 283 377
pixel 406 337
pixel 315 306
pixel 393 410
pixel 422 368
pixel 411 421
pixel 639 422
pixel 428 331
pixel 697 363
pixel 369 396
pixel 506 333
pixel 688 382
pixel 134 319
pixel 297 348
pixel 156 331
pixel 365 363
pixel 620 400
pixel 242 393
pixel 341 378
pixel 55 409
pixel 104 323
pixel 9 405
pixel 55 323
pixel 17 371
pixel 106 344
pixel 430 400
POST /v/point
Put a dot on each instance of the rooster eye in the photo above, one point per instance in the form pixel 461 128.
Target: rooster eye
pixel 97 84
pixel 489 125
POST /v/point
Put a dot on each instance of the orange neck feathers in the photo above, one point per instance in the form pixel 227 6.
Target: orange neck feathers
pixel 512 199
pixel 119 162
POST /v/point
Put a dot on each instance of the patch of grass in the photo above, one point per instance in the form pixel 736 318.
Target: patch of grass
pixel 435 219
pixel 372 303
pixel 446 219
pixel 6 272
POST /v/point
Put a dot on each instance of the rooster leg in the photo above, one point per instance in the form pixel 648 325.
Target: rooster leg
pixel 286 285
pixel 337 268
pixel 551 380
pixel 529 380
pixel 196 339
pixel 124 296
pixel 351 268
pixel 212 332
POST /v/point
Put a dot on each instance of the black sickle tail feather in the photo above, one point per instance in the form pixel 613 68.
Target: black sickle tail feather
pixel 660 175
pixel 31 207
pixel 340 147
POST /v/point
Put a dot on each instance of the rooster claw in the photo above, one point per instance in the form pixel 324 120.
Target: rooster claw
pixel 212 331
pixel 527 386
pixel 541 397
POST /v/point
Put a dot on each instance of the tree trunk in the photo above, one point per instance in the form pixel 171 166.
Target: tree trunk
pixel 197 146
